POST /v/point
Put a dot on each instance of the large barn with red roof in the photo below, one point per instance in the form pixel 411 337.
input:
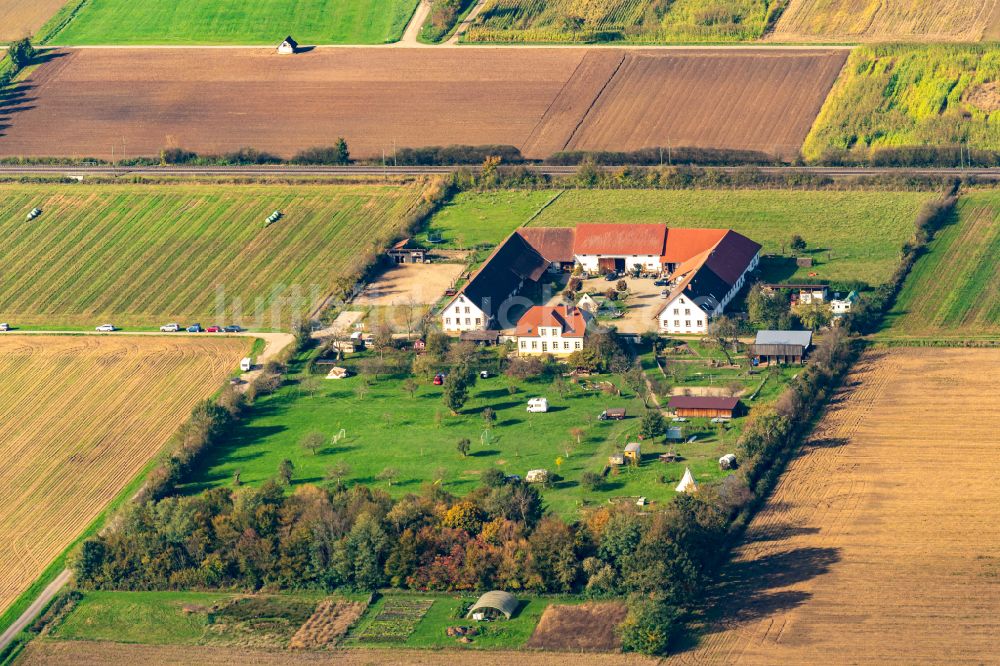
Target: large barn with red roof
pixel 706 269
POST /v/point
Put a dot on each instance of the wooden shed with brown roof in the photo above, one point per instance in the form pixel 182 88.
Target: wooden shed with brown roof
pixel 690 406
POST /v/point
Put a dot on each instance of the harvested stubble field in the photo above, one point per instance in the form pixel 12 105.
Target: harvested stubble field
pixel 884 21
pixel 588 627
pixel 74 653
pixel 880 543
pixel 22 18
pixel 82 416
pixel 81 102
pixel 141 255
pixel 953 291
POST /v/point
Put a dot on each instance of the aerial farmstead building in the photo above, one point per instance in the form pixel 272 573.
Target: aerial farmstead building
pixel 555 330
pixel 706 269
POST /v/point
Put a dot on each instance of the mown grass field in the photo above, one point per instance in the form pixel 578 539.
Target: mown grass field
pixel 417 436
pixel 624 20
pixel 952 290
pixel 232 21
pixel 82 416
pixel 143 255
pixel 892 96
pixel 851 235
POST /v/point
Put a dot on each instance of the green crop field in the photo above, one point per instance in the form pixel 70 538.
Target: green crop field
pixel 851 235
pixel 386 428
pixel 647 21
pixel 892 96
pixel 953 291
pixel 142 255
pixel 230 21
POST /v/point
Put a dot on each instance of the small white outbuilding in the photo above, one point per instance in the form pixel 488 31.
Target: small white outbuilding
pixel 288 47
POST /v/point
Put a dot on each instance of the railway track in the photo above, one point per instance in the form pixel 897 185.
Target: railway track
pixel 282 170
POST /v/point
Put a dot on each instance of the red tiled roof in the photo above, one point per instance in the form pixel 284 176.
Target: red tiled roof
pixel 682 244
pixel 553 243
pixel 570 320
pixel 620 239
pixel 702 402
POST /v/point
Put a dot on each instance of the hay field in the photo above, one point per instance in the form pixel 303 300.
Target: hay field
pixel 21 18
pixel 891 96
pixel 74 653
pixel 82 416
pixel 879 544
pixel 142 255
pixel 235 21
pixel 82 102
pixel 952 290
pixel 884 20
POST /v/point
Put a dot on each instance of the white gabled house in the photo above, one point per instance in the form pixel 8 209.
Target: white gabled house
pixel 558 330
pixel 463 315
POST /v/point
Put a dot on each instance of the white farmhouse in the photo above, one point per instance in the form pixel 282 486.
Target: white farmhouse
pixel 478 305
pixel 555 330
pixel 704 283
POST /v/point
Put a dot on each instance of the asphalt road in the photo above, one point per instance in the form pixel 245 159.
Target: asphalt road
pixel 357 170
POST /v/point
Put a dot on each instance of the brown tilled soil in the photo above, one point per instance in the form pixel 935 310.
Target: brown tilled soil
pixel 589 627
pixel 985 97
pixel 880 544
pixel 23 18
pixel 417 284
pixel 331 620
pixel 75 653
pixel 81 102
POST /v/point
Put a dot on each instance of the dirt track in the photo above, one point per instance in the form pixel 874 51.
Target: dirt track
pixel 83 101
pixel 880 544
pixel 74 653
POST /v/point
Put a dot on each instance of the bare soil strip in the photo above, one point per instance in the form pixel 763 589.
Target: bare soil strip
pixel 82 416
pixel 23 18
pixel 74 653
pixel 880 543
pixel 590 627
pixel 84 101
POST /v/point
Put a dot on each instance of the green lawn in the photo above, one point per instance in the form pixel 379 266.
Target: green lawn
pixel 144 255
pixel 952 290
pixel 913 95
pixel 234 21
pixel 852 235
pixel 386 428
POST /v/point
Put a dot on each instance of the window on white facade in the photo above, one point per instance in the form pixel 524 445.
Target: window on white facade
pixel 534 344
pixel 687 312
pixel 524 344
pixel 677 323
pixel 677 311
pixel 566 345
pixel 577 344
pixel 447 320
pixel 545 346
pixel 479 322
pixel 467 322
pixel 701 322
pixel 466 309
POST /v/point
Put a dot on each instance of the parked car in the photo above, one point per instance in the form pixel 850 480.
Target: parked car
pixel 194 328
pixel 664 293
pixel 4 326
pixel 611 277
pixel 106 328
pixel 484 374
pixel 214 329
pixel 660 283
pixel 438 379
pixel 233 329
pixel 170 328
pixel 614 414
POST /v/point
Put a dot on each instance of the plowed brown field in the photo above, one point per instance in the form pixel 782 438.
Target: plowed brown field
pixel 880 544
pixel 82 102
pixel 884 20
pixel 81 416
pixel 75 653
pixel 23 18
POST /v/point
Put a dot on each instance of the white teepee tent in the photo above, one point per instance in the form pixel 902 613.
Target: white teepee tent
pixel 687 484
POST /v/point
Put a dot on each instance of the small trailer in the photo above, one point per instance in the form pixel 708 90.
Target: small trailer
pixel 727 461
pixel 272 218
pixel 613 414
pixel 35 212
pixel 538 406
pixel 246 364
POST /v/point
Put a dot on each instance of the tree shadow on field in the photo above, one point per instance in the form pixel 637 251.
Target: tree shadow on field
pixel 754 590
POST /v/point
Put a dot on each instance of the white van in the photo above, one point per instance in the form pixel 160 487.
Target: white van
pixel 246 364
pixel 538 405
